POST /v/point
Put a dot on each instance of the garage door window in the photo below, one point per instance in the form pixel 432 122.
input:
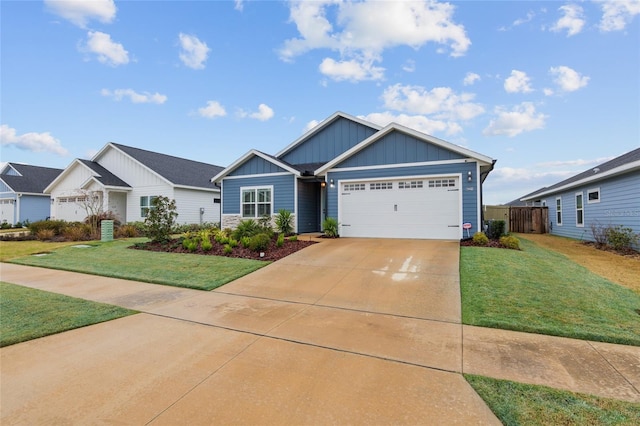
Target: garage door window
pixel 442 183
pixel 410 184
pixel 380 186
pixel 354 187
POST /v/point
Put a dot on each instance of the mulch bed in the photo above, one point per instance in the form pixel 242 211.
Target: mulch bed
pixel 491 243
pixel 626 252
pixel 272 253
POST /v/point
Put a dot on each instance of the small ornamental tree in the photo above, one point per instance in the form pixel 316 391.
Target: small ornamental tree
pixel 160 220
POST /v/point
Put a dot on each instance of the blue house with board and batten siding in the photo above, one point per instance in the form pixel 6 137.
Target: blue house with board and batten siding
pixel 382 182
pixel 602 196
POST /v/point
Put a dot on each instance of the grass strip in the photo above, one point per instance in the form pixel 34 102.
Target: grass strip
pixel 114 259
pixel 537 290
pixel 29 313
pixel 521 404
pixel 13 249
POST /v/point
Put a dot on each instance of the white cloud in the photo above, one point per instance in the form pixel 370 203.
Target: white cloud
pixel 351 70
pixel 80 12
pixel 409 66
pixel 572 163
pixel 617 14
pixel 573 20
pixel 135 97
pixel 518 82
pixel 35 142
pixel 520 21
pixel 568 79
pixel 522 118
pixel 107 51
pixel 417 122
pixel 264 113
pixel 239 5
pixel 310 125
pixel 194 52
pixel 547 91
pixel 442 102
pixel 470 78
pixel 365 29
pixel 212 110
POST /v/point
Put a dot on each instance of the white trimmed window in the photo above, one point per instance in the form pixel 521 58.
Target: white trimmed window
pixel 593 196
pixel 146 204
pixel 559 211
pixel 256 202
pixel 579 209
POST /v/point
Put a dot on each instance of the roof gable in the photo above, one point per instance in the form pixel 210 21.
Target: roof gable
pixel 104 176
pixel 28 179
pixel 255 162
pixel 622 164
pixel 175 170
pixel 329 139
pixel 397 138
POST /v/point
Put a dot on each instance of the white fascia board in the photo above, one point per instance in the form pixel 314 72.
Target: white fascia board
pixel 65 172
pixel 394 126
pixel 596 177
pixel 197 188
pixel 324 123
pixel 245 157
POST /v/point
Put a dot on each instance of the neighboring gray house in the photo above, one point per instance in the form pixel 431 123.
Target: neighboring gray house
pixel 21 192
pixel 125 180
pixel 391 182
pixel 608 194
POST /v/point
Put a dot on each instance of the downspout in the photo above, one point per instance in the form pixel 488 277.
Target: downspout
pixel 17 215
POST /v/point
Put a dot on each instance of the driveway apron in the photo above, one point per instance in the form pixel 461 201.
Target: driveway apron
pixel 360 331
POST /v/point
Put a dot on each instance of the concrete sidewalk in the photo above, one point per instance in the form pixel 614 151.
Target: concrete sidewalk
pixel 345 344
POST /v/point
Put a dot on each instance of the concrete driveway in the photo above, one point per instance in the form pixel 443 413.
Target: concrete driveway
pixel 358 331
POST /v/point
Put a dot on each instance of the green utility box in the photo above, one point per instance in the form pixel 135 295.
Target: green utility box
pixel 107 230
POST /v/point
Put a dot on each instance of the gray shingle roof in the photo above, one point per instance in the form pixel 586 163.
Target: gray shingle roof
pixel 34 179
pixel 629 157
pixel 176 170
pixel 106 177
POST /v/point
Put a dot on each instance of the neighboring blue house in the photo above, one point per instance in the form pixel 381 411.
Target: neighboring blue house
pixel 605 195
pixel 21 192
pixel 391 182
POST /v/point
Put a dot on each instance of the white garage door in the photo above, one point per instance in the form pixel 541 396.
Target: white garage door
pixel 426 208
pixel 7 210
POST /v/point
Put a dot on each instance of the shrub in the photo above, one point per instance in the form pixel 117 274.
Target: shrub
pixel 280 241
pixel 259 242
pixel 510 242
pixel 284 222
pixel 206 245
pixel 17 225
pixel 127 231
pixel 77 232
pixel 480 238
pixel 265 223
pixel 599 233
pixel 621 238
pixel 45 234
pixel 5 225
pixel 222 239
pixel 233 243
pixel 95 220
pixel 160 219
pixel 293 238
pixel 55 225
pixel 227 249
pixel 246 228
pixel 330 226
pixel 495 229
pixel 246 242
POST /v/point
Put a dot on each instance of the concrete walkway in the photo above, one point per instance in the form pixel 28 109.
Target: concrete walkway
pixel 346 331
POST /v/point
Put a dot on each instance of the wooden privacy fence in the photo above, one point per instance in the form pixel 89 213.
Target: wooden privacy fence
pixel 529 220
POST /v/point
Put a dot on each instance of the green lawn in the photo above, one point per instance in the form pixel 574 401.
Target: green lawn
pixel 12 249
pixel 114 259
pixel 540 291
pixel 521 404
pixel 28 313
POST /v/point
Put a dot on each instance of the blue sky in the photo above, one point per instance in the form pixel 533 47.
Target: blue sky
pixel 548 89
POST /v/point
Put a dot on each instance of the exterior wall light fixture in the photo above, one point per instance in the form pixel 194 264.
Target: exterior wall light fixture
pixel 331 184
pixel 469 176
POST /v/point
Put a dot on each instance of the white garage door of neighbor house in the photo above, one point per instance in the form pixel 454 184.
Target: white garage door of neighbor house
pixel 426 208
pixel 69 209
pixel 7 210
